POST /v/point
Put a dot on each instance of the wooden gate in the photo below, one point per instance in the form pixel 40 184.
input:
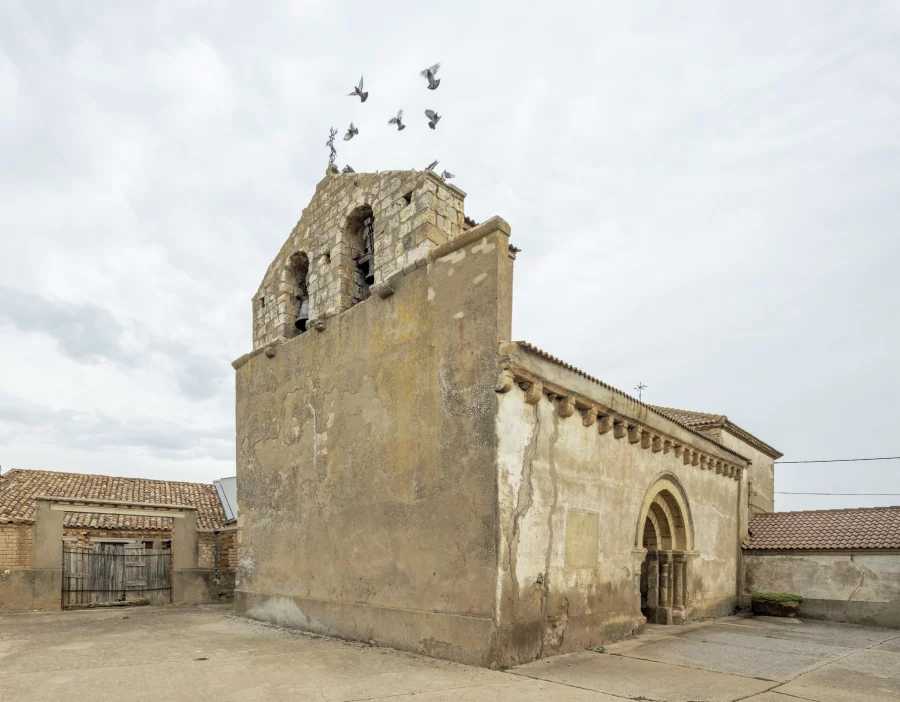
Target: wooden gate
pixel 115 573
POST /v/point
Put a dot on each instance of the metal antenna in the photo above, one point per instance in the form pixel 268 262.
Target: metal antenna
pixel 332 133
pixel 640 387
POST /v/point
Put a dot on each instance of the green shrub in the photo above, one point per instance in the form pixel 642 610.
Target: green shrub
pixel 777 597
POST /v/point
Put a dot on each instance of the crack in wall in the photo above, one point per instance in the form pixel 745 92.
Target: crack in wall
pixel 524 500
pixel 862 580
pixel 554 625
pixel 551 513
pixel 315 436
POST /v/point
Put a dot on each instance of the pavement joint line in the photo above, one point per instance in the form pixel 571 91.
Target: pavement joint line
pixel 775 683
pixel 579 687
pixel 757 694
pixel 825 664
pixel 443 689
pixel 822 664
pixel 788 694
pixel 782 638
pixel 697 667
pixel 760 636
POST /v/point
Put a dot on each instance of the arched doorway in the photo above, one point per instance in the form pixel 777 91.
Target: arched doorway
pixel 665 534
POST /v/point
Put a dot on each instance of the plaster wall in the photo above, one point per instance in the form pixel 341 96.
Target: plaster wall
pixel 759 476
pixel 857 587
pixel 366 461
pixel 553 474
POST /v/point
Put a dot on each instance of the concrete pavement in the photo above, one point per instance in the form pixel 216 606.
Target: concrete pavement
pixel 203 653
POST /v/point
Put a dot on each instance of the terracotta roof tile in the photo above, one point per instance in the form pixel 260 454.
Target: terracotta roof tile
pixel 18 488
pixel 841 529
pixel 692 419
pixel 704 420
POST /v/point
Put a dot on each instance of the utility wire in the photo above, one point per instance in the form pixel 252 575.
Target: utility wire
pixel 849 494
pixel 844 460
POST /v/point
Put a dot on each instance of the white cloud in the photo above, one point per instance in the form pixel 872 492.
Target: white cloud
pixel 705 197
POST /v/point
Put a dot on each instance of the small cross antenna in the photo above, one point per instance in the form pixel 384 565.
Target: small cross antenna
pixel 332 133
pixel 640 387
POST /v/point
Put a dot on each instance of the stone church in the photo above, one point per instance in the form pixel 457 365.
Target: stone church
pixel 411 475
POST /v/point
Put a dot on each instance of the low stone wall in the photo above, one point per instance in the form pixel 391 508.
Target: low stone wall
pixel 843 586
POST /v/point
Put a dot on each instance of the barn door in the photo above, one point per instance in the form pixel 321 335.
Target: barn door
pixel 110 573
pixel 135 573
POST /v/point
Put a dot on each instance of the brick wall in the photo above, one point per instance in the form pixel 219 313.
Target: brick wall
pixel 86 537
pixel 15 546
pixel 218 553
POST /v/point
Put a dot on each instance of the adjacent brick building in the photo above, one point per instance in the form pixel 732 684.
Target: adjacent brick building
pixel 18 489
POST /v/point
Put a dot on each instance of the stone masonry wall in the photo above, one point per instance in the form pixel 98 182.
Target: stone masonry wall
pixel 414 211
pixel 16 542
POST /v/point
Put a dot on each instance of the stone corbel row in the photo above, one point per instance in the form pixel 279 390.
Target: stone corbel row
pixel 568 403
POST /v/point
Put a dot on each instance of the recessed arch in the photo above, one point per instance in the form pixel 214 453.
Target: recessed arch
pixel 663 526
pixel 359 246
pixel 651 539
pixel 297 285
pixel 667 502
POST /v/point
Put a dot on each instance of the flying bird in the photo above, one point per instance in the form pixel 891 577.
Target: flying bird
pixel 358 90
pixel 447 175
pixel 398 120
pixel 433 82
pixel 348 169
pixel 351 132
pixel 430 167
pixel 433 118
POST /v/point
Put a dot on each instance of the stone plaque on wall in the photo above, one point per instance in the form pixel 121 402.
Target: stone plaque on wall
pixel 582 538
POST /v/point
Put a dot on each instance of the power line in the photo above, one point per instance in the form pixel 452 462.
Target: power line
pixel 845 494
pixel 843 460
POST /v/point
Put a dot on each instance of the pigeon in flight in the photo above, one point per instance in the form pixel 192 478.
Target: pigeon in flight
pixel 433 82
pixel 430 166
pixel 352 132
pixel 398 120
pixel 433 118
pixel 358 90
pixel 447 175
pixel 348 169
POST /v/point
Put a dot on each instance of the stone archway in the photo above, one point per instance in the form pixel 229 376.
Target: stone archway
pixel 664 539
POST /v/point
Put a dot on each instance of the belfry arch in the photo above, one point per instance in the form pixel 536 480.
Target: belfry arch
pixel 664 539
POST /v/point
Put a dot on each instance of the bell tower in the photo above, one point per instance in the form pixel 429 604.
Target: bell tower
pixel 358 231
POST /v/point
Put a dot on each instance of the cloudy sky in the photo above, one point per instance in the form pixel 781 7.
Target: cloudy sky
pixel 706 195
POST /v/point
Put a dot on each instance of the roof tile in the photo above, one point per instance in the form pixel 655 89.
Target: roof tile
pixel 18 488
pixel 832 529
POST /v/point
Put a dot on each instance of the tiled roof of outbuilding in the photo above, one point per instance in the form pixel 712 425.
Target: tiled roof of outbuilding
pixel 18 488
pixel 830 529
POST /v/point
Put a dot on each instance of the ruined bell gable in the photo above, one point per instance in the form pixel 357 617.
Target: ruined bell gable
pixel 358 231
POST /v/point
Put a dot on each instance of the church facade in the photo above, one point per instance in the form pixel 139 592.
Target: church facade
pixel 408 474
